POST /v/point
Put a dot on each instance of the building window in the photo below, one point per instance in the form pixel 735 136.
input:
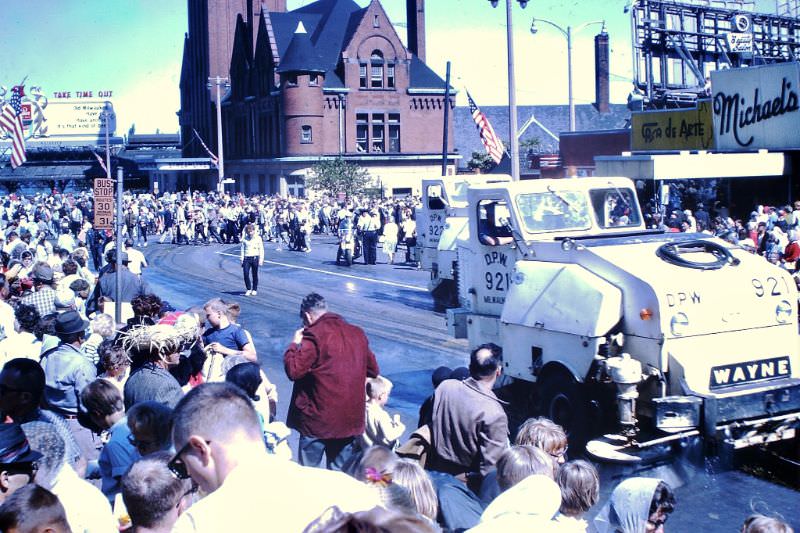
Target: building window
pixel 305 134
pixel 291 80
pixel 394 132
pixel 376 70
pixel 313 79
pixel 376 21
pixel 362 130
pixel 378 135
pixel 362 76
pixel 390 76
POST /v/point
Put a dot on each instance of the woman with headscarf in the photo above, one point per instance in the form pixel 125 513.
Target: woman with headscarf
pixel 637 505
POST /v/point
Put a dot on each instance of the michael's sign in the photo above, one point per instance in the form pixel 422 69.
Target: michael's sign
pixel 757 107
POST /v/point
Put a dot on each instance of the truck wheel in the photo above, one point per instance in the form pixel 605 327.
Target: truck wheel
pixel 339 256
pixel 563 400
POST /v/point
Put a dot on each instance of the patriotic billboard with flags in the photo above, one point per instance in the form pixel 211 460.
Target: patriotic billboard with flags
pixel 11 122
pixel 494 146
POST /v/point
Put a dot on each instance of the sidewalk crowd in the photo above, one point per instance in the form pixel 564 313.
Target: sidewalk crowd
pixel 166 422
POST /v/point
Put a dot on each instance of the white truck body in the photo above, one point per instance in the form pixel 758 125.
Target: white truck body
pixel 705 319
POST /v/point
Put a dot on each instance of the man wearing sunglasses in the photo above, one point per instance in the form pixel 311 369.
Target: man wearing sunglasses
pixel 18 462
pixel 221 447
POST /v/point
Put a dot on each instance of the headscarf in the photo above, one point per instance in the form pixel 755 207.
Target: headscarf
pixel 629 506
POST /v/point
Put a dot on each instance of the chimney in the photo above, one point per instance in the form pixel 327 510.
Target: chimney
pixel 601 75
pixel 274 6
pixel 415 20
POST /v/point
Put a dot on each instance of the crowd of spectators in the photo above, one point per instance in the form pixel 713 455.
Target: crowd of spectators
pixel 167 423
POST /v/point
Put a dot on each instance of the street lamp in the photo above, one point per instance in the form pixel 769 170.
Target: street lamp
pixel 568 34
pixel 219 82
pixel 512 99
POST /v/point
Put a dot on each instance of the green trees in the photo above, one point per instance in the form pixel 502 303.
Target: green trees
pixel 332 176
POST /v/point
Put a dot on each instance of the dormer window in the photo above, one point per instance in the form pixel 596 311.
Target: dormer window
pixel 291 80
pixel 313 80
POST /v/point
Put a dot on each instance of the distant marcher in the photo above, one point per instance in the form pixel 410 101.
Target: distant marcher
pixel 390 232
pixel 329 361
pixel 251 257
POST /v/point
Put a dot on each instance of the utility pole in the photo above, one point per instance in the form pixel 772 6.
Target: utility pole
pixel 219 82
pixel 118 248
pixel 446 112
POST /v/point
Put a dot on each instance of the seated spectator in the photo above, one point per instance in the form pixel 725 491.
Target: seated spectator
pixel 412 476
pixel 103 401
pixel 33 509
pixel 220 445
pixel 426 409
pixel 527 506
pixel 22 342
pixel 333 520
pixel 254 382
pixel 102 326
pixel 519 462
pixel 114 363
pixel 157 348
pixel 637 504
pixel 86 507
pixel 580 488
pixel 150 425
pixel 153 496
pixel 17 460
pixel 23 383
pixel 380 427
pixel 223 337
pixel 757 523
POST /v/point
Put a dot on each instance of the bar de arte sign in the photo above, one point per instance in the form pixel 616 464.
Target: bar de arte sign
pixel 757 107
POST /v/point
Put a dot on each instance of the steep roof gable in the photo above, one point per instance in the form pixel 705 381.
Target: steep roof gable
pixel 365 26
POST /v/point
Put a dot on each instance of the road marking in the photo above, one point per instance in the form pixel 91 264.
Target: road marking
pixel 373 280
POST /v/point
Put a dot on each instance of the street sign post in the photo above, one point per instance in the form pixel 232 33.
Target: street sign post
pixel 103 204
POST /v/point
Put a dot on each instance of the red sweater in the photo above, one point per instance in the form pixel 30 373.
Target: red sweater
pixel 329 369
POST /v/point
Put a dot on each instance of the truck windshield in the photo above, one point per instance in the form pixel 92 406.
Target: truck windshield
pixel 615 207
pixel 554 210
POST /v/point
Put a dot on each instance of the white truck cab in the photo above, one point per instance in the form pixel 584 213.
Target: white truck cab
pixel 685 333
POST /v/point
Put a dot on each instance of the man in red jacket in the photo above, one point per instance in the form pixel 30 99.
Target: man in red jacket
pixel 329 361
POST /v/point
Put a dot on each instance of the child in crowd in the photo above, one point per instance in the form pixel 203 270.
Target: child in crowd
pixel 381 428
pixel 580 488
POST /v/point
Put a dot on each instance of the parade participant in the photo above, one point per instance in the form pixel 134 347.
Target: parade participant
pixel 409 228
pixel 220 446
pixel 390 232
pixel 369 223
pixel 136 259
pixel 252 256
pixel 329 361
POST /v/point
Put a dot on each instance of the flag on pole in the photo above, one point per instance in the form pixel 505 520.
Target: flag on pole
pixel 100 160
pixel 214 159
pixel 494 146
pixel 11 121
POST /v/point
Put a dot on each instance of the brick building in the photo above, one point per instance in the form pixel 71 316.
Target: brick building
pixel 328 79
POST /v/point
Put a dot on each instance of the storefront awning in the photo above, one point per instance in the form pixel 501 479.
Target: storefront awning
pixel 691 165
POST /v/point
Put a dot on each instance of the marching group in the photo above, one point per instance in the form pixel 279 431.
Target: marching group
pixel 168 423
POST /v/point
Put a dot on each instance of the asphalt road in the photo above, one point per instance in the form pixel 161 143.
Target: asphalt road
pixel 390 302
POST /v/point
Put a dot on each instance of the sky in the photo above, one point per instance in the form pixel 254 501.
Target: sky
pixel 134 49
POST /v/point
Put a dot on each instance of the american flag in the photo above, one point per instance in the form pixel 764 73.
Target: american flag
pixel 493 145
pixel 214 159
pixel 11 121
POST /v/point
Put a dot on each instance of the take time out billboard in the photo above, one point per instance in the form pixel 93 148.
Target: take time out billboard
pixel 757 107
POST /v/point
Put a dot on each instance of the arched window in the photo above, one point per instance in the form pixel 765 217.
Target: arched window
pixel 376 70
pixel 305 134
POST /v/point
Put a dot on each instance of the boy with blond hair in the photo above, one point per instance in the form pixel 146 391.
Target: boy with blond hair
pixel 381 428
